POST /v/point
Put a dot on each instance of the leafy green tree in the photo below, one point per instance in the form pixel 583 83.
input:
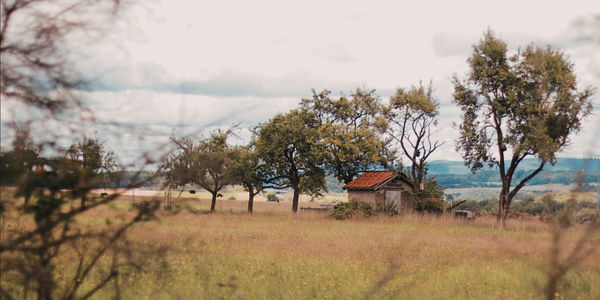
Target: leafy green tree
pixel 93 165
pixel 525 105
pixel 208 163
pixel 413 115
pixel 16 164
pixel 176 169
pixel 19 166
pixel 248 170
pixel 272 197
pixel 292 153
pixel 351 131
pixel 215 161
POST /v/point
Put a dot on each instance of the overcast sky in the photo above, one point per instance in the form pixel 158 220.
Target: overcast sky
pixel 188 66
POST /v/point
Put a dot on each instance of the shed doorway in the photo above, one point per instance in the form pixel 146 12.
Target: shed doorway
pixel 393 197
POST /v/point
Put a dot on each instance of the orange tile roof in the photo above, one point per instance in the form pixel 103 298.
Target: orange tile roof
pixel 370 180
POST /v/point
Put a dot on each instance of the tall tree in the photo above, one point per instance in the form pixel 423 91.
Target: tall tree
pixel 290 147
pixel 94 165
pixel 413 115
pixel 351 131
pixel 526 105
pixel 208 163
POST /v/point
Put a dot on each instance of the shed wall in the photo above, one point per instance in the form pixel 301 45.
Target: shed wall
pixel 364 196
pixel 379 197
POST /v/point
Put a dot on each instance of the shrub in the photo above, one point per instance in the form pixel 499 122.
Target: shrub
pixel 567 216
pixel 272 197
pixel 551 207
pixel 529 206
pixel 485 206
pixel 231 198
pixel 429 205
pixel 430 199
pixel 352 208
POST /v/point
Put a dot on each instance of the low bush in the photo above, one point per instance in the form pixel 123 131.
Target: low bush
pixel 352 208
pixel 567 216
pixel 489 206
pixel 546 206
pixel 530 206
pixel 429 205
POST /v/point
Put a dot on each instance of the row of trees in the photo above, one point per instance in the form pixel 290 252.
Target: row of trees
pixel 526 105
pixel 513 107
pixel 79 168
pixel 342 137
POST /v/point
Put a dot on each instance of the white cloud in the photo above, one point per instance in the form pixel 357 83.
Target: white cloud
pixel 192 65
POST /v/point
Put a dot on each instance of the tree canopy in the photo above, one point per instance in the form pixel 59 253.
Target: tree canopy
pixel 351 131
pixel 208 163
pixel 92 164
pixel 518 106
pixel 413 115
pixel 292 153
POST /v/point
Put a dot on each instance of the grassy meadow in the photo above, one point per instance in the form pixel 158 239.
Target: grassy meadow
pixel 273 254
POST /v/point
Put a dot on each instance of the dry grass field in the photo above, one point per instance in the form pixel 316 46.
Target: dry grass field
pixel 273 254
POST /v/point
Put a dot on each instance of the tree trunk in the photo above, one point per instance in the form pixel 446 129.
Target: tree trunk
pixel 500 206
pixel 507 195
pixel 44 277
pixel 27 197
pixel 250 200
pixel 503 207
pixel 83 201
pixel 213 202
pixel 507 201
pixel 295 199
pixel 44 290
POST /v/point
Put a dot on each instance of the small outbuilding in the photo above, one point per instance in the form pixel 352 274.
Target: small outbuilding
pixel 382 187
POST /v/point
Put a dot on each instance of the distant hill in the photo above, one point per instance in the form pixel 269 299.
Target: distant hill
pixel 454 174
pixel 447 167
pixel 562 164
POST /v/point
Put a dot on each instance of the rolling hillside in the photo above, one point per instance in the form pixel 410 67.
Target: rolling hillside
pixel 563 164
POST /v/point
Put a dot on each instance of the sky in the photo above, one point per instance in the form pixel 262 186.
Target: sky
pixel 187 67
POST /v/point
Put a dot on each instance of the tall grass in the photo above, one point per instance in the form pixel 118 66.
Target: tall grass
pixel 277 255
